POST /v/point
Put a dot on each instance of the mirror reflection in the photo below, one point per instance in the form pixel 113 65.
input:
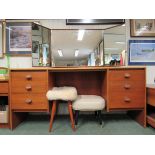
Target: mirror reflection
pixel 88 47
pixel 40 45
pixel 1 44
pixel 77 47
pixel 114 45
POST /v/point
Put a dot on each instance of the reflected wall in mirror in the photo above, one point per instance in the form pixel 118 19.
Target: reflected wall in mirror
pixel 41 41
pixel 115 45
pixel 77 47
pixel 1 40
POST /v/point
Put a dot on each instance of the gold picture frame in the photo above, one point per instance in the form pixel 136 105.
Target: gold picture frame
pixel 142 27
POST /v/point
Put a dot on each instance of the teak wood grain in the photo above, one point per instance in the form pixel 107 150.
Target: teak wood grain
pixel 29 101
pixel 122 87
pixel 4 87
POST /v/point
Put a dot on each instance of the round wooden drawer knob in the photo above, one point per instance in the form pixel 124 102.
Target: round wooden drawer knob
pixel 28 101
pixel 28 87
pixel 126 99
pixel 127 75
pixel 28 77
pixel 127 86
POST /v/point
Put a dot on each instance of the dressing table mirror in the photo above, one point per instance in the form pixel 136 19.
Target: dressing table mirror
pixel 114 45
pixel 41 45
pixel 1 42
pixel 77 47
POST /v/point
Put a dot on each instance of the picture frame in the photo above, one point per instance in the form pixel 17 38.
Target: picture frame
pixel 141 52
pixel 19 39
pixel 142 27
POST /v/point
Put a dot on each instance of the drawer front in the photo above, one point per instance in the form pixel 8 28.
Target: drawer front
pixel 127 75
pixel 29 102
pixel 4 89
pixel 127 86
pixel 126 89
pixel 126 100
pixel 151 96
pixel 32 81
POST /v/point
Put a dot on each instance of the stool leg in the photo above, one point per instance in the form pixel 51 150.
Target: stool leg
pixel 71 114
pixel 76 116
pixel 53 111
pixel 99 117
pixel 96 114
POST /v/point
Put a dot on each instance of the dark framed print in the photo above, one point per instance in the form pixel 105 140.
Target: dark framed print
pixel 142 27
pixel 141 52
pixel 19 38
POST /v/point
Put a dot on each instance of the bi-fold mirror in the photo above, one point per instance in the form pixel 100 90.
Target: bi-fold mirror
pixel 41 45
pixel 1 39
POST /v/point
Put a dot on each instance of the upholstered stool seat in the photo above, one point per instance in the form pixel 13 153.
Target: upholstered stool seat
pixel 62 93
pixel 88 103
pixel 68 94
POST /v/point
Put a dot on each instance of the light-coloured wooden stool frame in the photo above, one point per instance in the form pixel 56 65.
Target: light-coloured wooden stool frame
pixel 53 111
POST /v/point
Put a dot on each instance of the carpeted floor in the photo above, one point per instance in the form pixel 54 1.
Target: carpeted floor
pixel 88 125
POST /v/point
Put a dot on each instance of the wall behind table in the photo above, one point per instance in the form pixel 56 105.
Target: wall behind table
pixel 150 70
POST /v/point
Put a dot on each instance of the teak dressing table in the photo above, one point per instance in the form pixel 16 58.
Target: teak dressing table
pixel 123 88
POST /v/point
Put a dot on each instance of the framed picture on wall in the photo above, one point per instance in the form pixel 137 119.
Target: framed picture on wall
pixel 19 38
pixel 1 40
pixel 142 27
pixel 141 52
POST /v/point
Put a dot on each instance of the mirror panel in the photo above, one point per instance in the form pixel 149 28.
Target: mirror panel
pixel 41 41
pixel 77 47
pixel 1 42
pixel 114 44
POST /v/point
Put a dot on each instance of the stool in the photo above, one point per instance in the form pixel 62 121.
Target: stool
pixel 68 94
pixel 88 103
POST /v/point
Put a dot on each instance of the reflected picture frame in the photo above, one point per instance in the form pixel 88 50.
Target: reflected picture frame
pixel 142 27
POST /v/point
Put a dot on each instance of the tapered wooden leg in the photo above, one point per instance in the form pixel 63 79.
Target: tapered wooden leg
pixel 76 116
pixel 53 111
pixel 71 114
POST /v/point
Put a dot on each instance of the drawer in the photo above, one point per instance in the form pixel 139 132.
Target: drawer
pixel 126 75
pixel 151 96
pixel 32 81
pixel 151 120
pixel 4 88
pixel 127 86
pixel 126 100
pixel 29 102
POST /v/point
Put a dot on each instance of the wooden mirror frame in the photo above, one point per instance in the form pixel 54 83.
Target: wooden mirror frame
pixel 3 37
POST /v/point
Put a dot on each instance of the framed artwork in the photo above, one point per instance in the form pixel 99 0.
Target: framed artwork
pixel 142 27
pixel 141 52
pixel 19 39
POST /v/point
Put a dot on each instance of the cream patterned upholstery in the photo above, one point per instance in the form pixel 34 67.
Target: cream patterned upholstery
pixel 89 103
pixel 62 93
